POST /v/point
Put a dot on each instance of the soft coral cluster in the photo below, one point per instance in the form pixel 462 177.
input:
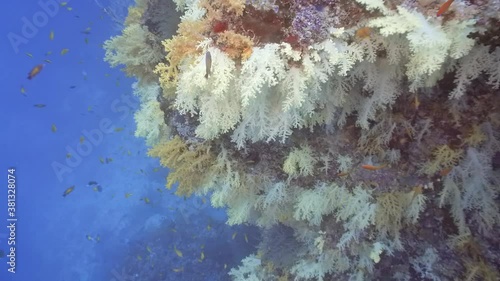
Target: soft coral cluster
pixel 331 88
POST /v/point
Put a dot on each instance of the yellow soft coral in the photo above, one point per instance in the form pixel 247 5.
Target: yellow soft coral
pixel 137 49
pixel 235 45
pixel 443 157
pixel 179 48
pixel 192 166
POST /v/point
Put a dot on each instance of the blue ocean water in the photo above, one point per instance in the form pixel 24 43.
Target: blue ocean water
pixel 72 124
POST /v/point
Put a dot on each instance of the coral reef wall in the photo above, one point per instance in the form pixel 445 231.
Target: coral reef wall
pixel 363 136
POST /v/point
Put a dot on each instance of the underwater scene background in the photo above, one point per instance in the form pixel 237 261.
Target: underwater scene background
pixel 276 140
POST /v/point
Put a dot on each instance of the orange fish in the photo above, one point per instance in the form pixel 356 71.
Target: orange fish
pixel 444 7
pixel 34 72
pixel 445 172
pixel 371 167
pixel 363 32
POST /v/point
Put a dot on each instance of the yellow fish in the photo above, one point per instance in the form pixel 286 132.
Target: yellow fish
pixel 82 139
pixel 127 195
pixel 68 190
pixel 209 227
pixel 202 256
pixel 179 253
pixel 234 235
pixel 23 90
pixel 64 51
pixel 53 128
pixel 179 269
pixel 416 102
pixel 69 9
pixel 51 35
pixel 146 200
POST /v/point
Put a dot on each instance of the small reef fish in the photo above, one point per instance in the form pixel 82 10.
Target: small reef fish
pixel 209 227
pixel 342 174
pixel 118 129
pixel 39 105
pixel 35 71
pixel 146 200
pixel 47 61
pixel 29 55
pixel 53 128
pixel 372 168
pixel 127 195
pixel 63 4
pixel 445 172
pixel 68 191
pixel 246 238
pixel 97 188
pixel 202 256
pixel 208 64
pixel 68 155
pixel 234 235
pixel 363 32
pixel 444 8
pixel 89 237
pixel 64 51
pixel 23 90
pixel 109 160
pixel 178 252
pixel 82 139
pixel 139 258
pixel 178 269
pixel 86 31
pixel 149 249
pixel 51 35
